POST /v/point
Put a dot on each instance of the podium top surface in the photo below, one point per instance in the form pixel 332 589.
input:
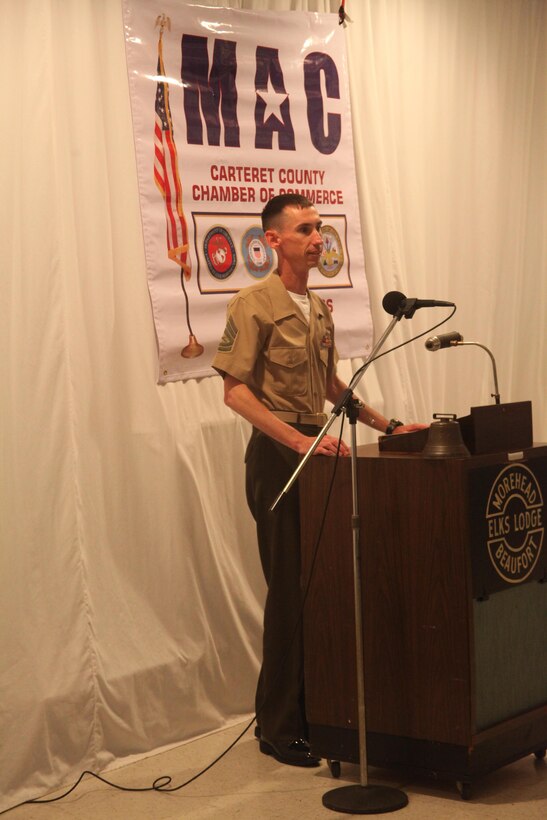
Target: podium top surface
pixel 537 449
pixel 494 428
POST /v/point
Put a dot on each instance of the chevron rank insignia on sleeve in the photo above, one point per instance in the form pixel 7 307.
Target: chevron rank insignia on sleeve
pixel 230 333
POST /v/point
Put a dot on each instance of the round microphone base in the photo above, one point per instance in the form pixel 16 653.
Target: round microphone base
pixel 365 799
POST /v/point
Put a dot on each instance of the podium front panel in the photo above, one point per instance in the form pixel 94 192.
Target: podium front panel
pixel 437 673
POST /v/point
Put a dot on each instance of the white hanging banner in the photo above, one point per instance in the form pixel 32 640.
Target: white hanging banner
pixel 230 108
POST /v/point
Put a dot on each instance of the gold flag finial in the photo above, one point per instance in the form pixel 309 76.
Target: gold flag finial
pixel 193 349
pixel 163 21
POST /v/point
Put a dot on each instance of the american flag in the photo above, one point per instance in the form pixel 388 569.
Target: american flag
pixel 166 172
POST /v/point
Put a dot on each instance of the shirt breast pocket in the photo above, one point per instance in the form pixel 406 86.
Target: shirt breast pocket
pixel 289 370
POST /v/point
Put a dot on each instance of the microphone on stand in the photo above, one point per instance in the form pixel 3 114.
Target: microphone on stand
pixel 397 304
pixel 455 339
pixel 444 340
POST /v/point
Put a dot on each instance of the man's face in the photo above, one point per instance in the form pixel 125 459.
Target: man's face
pixel 297 238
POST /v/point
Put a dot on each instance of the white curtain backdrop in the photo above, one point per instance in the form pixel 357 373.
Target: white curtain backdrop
pixel 132 592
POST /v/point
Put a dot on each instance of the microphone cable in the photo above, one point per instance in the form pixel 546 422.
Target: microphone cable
pixel 354 378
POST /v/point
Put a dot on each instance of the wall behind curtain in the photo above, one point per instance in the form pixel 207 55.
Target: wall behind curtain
pixel 131 613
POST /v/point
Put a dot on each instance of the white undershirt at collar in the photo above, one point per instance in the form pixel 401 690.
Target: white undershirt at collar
pixel 303 302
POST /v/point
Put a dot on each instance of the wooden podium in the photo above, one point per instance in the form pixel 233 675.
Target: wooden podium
pixel 454 610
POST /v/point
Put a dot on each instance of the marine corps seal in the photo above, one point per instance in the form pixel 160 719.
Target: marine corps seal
pixel 220 252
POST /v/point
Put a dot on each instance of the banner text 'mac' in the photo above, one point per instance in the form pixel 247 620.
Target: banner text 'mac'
pixel 214 93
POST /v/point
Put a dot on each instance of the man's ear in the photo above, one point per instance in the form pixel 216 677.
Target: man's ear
pixel 272 237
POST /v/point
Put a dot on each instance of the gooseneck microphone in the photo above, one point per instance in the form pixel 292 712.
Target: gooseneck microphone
pixel 455 339
pixel 444 340
pixel 396 303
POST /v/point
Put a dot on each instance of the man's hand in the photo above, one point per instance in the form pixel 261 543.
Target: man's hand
pixel 409 428
pixel 328 446
pixel 241 400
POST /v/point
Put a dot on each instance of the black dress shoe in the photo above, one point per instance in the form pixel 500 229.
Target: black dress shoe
pixel 294 753
pixel 258 733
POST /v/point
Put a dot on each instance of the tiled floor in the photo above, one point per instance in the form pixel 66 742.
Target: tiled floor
pixel 249 786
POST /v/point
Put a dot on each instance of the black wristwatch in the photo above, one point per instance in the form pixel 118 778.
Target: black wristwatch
pixel 393 423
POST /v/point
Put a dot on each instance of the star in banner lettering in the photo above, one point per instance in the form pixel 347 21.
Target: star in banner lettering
pixel 274 100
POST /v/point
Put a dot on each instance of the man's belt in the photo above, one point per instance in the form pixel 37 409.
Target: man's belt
pixel 316 419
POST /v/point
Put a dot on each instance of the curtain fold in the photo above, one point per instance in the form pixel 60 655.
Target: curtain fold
pixel 133 592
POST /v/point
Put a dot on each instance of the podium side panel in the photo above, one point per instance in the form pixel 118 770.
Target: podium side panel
pixel 329 623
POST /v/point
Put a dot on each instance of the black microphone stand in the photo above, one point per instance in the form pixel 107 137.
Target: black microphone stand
pixel 362 798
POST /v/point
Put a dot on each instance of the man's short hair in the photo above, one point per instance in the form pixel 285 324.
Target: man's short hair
pixel 277 205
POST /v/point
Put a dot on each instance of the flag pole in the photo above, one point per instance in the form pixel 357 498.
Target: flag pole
pixel 167 179
pixel 193 349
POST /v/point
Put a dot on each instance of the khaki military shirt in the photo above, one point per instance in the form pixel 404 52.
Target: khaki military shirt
pixel 269 346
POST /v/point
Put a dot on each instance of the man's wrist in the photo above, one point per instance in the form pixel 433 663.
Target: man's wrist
pixel 393 423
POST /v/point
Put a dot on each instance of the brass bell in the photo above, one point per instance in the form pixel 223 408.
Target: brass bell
pixel 445 438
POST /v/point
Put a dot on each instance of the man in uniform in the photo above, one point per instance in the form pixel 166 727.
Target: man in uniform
pixel 278 361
